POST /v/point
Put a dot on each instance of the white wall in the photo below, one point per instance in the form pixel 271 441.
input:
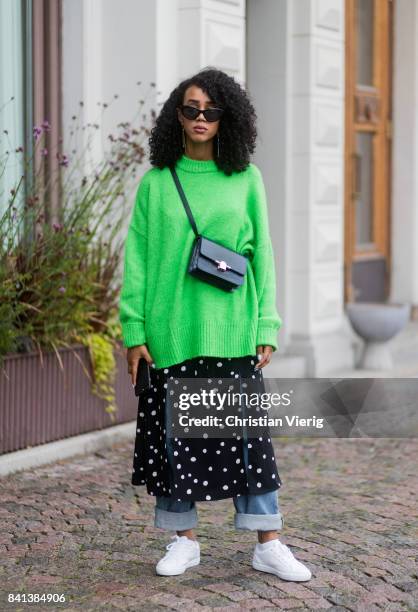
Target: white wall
pixel 404 197
pixel 12 111
pixel 267 73
pixel 167 48
pixel 108 47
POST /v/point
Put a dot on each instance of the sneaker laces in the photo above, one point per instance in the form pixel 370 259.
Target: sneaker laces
pixel 285 549
pixel 282 548
pixel 177 541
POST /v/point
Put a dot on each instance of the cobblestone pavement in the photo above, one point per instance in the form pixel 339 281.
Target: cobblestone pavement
pixel 78 527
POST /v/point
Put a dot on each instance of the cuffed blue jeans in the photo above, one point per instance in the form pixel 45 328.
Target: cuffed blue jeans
pixel 253 512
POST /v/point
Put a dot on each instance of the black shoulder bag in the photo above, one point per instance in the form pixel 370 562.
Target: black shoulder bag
pixel 210 261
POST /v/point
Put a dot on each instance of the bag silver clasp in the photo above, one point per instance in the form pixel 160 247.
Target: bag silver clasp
pixel 222 265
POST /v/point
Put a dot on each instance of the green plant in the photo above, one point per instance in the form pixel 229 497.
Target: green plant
pixel 103 360
pixel 59 269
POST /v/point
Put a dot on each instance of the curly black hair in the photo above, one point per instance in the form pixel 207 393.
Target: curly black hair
pixel 237 127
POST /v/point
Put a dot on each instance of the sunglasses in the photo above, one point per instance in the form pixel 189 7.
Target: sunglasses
pixel 210 114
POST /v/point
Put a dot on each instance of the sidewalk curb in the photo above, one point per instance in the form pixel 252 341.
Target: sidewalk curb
pixel 69 447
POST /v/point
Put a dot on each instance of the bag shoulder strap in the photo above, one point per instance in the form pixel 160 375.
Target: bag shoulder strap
pixel 184 200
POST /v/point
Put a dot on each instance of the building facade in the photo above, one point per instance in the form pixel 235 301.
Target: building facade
pixel 335 86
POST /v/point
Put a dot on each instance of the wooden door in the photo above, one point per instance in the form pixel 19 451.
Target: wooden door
pixel 368 133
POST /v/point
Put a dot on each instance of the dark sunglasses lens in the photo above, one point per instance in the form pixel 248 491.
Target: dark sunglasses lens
pixel 189 112
pixel 213 114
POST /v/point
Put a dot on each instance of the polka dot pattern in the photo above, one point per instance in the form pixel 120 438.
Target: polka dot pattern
pixel 201 471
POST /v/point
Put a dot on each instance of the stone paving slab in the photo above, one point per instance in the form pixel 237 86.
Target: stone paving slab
pixel 79 528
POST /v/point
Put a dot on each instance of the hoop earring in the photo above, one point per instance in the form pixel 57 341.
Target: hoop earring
pixel 218 143
pixel 183 139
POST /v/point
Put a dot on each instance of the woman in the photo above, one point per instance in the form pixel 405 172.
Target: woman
pixel 185 327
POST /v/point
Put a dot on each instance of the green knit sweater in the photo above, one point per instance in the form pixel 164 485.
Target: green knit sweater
pixel 177 315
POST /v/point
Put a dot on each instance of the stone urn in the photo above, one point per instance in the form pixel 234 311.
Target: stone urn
pixel 376 323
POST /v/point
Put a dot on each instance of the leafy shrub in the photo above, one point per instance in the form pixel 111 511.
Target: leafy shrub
pixel 59 274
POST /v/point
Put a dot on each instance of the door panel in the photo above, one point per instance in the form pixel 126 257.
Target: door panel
pixel 364 213
pixel 364 20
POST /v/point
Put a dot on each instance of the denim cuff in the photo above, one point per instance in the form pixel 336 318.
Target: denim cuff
pixel 177 521
pixel 262 522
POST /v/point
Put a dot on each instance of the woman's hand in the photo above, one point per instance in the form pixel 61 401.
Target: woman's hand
pixel 133 356
pixel 264 355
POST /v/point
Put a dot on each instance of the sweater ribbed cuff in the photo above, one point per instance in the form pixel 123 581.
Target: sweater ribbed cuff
pixel 267 334
pixel 133 334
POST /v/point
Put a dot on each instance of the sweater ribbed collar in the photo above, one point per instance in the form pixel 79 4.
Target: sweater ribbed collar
pixel 196 165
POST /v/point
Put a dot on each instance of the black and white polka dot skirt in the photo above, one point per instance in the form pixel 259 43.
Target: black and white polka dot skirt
pixel 195 468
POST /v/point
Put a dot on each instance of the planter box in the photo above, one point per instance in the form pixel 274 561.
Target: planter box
pixel 42 403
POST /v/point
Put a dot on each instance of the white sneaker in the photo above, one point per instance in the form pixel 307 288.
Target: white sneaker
pixel 278 559
pixel 182 553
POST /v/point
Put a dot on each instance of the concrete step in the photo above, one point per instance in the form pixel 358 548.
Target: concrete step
pixel 404 350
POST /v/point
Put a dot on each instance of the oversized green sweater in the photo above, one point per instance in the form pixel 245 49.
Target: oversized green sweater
pixel 177 315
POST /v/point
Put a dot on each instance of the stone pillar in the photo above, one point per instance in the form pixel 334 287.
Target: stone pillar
pixel 296 74
pixel 212 33
pixel 316 194
pixel 404 230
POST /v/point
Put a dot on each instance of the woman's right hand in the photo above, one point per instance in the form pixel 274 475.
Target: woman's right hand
pixel 134 354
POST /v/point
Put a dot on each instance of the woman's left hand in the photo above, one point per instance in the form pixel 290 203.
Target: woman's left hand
pixel 264 352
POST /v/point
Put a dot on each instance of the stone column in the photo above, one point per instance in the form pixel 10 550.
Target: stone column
pixel 296 73
pixel 404 230
pixel 212 32
pixel 316 194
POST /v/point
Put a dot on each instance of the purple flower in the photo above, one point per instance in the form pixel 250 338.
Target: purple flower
pixel 63 160
pixel 61 289
pixel 37 131
pixel 44 152
pixel 57 226
pixel 46 126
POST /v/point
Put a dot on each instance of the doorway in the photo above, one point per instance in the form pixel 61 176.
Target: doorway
pixel 368 134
